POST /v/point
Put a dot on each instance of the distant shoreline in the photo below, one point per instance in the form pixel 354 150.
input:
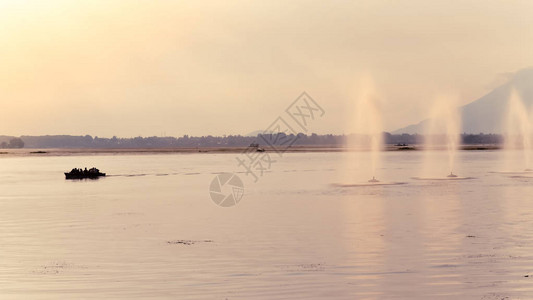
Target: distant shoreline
pixel 185 150
pixel 190 143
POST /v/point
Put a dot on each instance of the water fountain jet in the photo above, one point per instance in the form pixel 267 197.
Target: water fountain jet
pixel 366 125
pixel 444 131
pixel 518 131
pixel 365 143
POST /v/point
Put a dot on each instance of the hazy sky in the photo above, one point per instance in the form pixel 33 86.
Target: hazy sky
pixel 131 68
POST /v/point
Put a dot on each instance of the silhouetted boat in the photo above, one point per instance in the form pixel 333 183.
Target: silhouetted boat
pixel 92 173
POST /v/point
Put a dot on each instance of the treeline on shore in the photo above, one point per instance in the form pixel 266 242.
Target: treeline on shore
pixel 12 143
pixel 87 141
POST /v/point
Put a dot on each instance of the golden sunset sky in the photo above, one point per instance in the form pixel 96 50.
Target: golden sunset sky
pixel 130 68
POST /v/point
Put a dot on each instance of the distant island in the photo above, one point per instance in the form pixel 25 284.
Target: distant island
pixel 89 142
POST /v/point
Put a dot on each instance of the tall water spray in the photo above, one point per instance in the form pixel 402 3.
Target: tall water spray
pixel 367 125
pixel 444 130
pixel 518 130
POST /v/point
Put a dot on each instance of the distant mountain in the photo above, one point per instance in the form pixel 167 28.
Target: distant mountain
pixel 487 114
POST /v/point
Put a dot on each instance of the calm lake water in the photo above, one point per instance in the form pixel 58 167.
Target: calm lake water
pixel 152 231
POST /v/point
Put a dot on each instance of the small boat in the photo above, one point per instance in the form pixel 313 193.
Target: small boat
pixel 92 173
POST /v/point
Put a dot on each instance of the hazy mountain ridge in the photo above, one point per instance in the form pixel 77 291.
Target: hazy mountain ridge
pixel 487 114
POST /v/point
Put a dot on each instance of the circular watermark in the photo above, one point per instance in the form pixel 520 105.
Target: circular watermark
pixel 226 189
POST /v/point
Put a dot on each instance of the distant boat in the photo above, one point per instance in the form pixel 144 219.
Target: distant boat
pixel 92 173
